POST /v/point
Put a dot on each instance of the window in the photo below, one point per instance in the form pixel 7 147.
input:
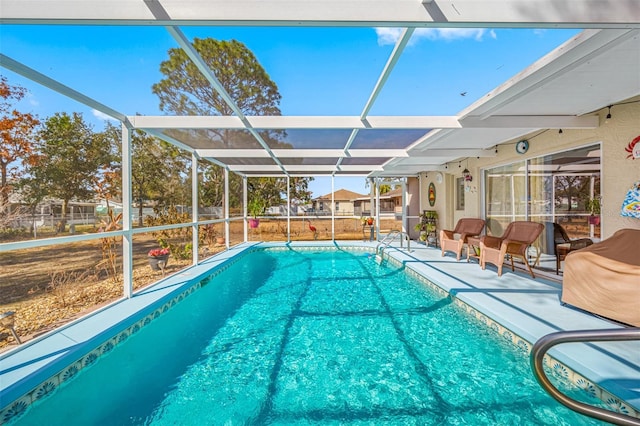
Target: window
pixel 337 206
pixel 460 193
pixel 554 188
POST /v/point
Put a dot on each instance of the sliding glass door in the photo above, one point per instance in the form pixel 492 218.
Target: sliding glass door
pixel 557 188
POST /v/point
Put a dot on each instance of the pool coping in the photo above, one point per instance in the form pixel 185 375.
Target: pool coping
pixel 33 370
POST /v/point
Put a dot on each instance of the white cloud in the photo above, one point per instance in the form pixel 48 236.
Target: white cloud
pixel 449 33
pixel 388 35
pixel 101 116
pixel 391 35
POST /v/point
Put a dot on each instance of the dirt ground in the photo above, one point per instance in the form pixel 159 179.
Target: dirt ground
pixel 49 286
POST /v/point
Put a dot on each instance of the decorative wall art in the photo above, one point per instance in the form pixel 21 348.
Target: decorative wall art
pixel 631 203
pixel 432 194
pixel 634 148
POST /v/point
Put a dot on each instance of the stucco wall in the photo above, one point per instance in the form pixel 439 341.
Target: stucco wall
pixel 618 171
pixel 443 201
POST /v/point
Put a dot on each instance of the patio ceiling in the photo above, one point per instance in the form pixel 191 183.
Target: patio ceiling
pixel 564 89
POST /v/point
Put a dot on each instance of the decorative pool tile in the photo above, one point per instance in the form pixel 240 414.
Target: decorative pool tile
pixel 15 409
pixel 560 370
pixel 107 347
pixel 70 372
pixel 586 386
pixel 523 346
pixel 618 406
pixel 89 359
pixel 45 389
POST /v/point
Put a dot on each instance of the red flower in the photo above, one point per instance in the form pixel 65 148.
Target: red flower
pixel 159 252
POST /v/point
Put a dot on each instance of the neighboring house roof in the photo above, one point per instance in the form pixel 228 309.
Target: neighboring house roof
pixel 394 193
pixel 340 195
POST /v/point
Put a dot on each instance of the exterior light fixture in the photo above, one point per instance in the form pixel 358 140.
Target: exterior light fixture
pixel 608 114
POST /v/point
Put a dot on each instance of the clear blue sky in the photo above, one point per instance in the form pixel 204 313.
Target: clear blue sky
pixel 319 71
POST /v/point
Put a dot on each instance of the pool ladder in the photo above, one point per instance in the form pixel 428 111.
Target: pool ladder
pixel 545 343
pixel 388 239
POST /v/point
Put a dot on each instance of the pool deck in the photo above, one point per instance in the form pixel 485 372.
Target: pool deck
pixel 529 308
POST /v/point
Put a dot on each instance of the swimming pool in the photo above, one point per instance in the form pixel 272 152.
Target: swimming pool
pixel 298 336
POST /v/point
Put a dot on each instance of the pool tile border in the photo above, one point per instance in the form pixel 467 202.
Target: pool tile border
pixel 17 408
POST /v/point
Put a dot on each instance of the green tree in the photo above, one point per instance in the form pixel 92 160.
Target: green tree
pixel 108 185
pixel 156 172
pixel 212 187
pixel 71 155
pixel 156 169
pixel 184 90
pixel 273 191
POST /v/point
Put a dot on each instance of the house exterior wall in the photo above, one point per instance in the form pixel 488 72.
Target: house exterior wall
pixel 442 203
pixel 345 207
pixel 618 171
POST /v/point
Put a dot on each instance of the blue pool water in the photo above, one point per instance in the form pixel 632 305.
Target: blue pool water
pixel 303 337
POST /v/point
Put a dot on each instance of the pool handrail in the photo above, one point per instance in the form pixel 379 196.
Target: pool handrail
pixel 545 343
pixel 391 237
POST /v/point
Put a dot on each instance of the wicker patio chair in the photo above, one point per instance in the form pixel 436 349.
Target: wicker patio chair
pixel 515 241
pixel 563 245
pixel 465 228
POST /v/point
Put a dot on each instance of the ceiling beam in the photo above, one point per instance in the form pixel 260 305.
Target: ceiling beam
pixel 353 122
pixel 449 153
pixel 293 122
pixel 527 122
pixel 301 153
pixel 395 13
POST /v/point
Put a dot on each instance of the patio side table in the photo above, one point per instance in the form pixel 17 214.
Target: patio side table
pixel 473 248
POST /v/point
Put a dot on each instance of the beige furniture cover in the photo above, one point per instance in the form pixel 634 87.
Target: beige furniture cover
pixel 604 278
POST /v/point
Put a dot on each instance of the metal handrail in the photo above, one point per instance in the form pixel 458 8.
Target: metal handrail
pixel 545 343
pixel 392 237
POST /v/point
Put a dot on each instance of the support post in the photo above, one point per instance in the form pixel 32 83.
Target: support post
pixel 194 209
pixel 377 209
pixel 127 199
pixel 333 208
pixel 405 208
pixel 226 207
pixel 244 207
pixel 288 209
